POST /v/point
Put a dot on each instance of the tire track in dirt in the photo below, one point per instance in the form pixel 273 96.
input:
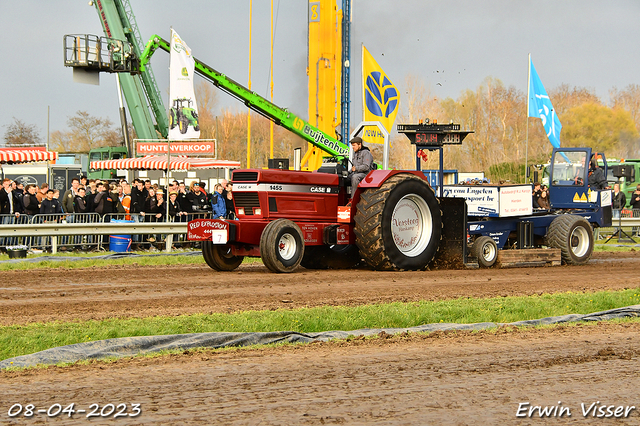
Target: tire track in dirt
pixel 133 291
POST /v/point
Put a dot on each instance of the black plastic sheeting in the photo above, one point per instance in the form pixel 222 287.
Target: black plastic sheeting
pixel 110 256
pixel 130 346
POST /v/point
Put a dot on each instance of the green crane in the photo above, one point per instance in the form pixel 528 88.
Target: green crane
pixel 257 103
pixel 140 90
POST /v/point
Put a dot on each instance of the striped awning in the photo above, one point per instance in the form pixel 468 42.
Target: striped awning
pixel 159 162
pixel 26 156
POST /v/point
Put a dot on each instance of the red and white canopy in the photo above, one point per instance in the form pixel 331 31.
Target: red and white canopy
pixel 26 155
pixel 159 162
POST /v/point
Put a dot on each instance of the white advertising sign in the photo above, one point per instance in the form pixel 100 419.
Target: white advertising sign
pixel 605 197
pixel 481 200
pixel 183 111
pixel 516 200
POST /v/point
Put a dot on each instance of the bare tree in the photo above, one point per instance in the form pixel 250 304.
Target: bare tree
pixel 629 99
pixel 19 133
pixel 86 132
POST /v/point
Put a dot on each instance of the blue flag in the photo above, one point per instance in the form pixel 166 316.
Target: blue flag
pixel 540 106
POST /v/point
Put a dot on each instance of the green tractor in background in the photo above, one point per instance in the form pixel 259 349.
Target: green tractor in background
pixel 183 116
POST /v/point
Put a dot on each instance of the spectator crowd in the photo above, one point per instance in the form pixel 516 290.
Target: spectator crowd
pixel 141 198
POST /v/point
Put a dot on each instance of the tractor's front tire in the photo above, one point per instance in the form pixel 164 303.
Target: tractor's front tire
pixel 399 224
pixel 281 246
pixel 573 236
pixel 485 250
pixel 219 257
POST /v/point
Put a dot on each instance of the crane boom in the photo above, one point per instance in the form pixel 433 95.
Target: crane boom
pixel 257 103
pixel 140 91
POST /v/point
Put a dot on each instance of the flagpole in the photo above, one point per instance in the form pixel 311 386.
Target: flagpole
pixel 362 80
pixel 249 111
pixel 526 151
pixel 271 86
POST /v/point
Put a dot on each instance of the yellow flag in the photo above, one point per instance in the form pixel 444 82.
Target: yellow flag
pixel 380 98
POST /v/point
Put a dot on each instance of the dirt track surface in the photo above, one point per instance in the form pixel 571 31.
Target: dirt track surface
pixel 440 379
pixel 452 378
pixel 129 291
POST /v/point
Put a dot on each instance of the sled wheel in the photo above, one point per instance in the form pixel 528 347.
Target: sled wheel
pixel 486 250
pixel 573 236
pixel 399 224
pixel 330 257
pixel 219 257
pixel 281 246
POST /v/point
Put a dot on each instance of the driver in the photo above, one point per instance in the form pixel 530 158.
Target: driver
pixel 597 179
pixel 362 163
pixel 579 168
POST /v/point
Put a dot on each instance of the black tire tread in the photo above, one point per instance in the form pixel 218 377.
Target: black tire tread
pixel 214 258
pixel 476 251
pixel 558 237
pixel 368 221
pixel 267 244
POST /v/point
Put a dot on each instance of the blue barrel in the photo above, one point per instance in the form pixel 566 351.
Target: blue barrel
pixel 120 243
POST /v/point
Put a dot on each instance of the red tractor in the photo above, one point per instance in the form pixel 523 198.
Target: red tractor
pixel 292 218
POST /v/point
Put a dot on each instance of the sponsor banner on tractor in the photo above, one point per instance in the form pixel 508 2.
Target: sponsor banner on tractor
pixel 493 201
pixel 208 230
pixel 516 201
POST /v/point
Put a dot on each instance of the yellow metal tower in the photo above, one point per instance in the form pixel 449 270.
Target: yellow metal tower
pixel 323 70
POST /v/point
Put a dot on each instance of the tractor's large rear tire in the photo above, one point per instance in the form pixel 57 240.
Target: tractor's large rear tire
pixel 331 257
pixel 281 246
pixel 219 257
pixel 398 225
pixel 573 236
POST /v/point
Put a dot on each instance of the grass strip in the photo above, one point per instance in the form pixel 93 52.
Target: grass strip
pixel 89 262
pixel 25 339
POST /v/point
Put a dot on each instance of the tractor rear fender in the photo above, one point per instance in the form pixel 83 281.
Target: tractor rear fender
pixel 376 178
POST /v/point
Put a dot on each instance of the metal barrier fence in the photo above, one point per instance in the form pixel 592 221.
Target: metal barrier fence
pixel 625 222
pixel 28 231
pixel 66 242
pixel 9 220
pixel 67 230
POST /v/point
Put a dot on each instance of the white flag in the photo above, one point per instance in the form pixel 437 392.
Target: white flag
pixel 183 111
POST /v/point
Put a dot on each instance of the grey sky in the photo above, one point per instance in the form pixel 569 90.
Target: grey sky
pixel 457 43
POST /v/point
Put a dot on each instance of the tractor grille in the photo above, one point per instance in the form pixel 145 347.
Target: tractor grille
pixel 248 200
pixel 244 177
